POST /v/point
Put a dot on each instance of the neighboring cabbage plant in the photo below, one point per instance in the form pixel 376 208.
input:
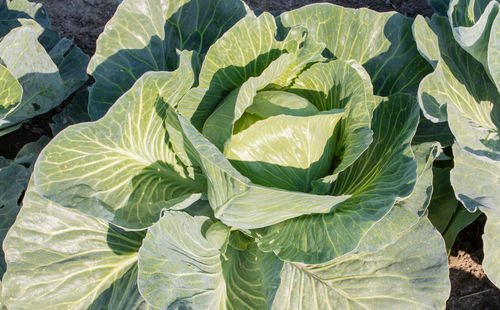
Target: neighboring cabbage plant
pixel 38 70
pixel 273 169
pixel 464 49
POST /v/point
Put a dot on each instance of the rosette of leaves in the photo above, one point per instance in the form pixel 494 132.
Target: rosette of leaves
pixel 38 70
pixel 464 49
pixel 277 174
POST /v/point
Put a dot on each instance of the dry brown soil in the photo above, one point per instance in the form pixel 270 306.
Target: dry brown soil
pixel 84 20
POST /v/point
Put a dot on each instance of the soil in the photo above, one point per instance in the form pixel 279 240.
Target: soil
pixel 84 20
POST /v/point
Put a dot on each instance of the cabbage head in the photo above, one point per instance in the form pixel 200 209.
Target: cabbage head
pixel 272 169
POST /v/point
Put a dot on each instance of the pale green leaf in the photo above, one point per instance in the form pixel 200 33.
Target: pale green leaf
pixel 494 52
pixel 476 185
pixel 182 265
pixel 342 85
pixel 218 128
pixel 409 273
pixel 271 103
pixel 59 258
pixel 381 42
pixel 284 151
pixel 11 91
pixel 471 21
pixel 458 80
pixel 236 60
pixel 122 295
pixel 122 167
pixel 145 35
pixel 460 91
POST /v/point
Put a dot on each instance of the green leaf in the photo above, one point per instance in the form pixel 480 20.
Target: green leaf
pixel 440 6
pixel 342 85
pixel 59 258
pixel 29 152
pixel 122 168
pixel 239 203
pixel 74 113
pixel 384 172
pixel 181 265
pixel 428 131
pixel 145 36
pixel 11 91
pixel 218 128
pixel 122 295
pixel 271 103
pixel 460 219
pixel 411 272
pixel 284 151
pixel 443 204
pixel 491 240
pixel 381 42
pixel 420 199
pixel 476 185
pixel 459 90
pixel 248 56
pixel 494 52
pixel 471 21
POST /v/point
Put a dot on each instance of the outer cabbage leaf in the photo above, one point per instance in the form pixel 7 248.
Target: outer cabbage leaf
pixel 381 42
pixel 411 272
pixel 385 171
pixel 475 28
pixel 445 212
pixel 73 113
pixel 443 204
pixel 59 258
pixel 144 35
pixel 122 168
pixel 122 295
pixel 459 90
pixel 476 185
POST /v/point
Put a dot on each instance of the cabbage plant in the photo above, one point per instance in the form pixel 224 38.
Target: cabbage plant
pixel 464 49
pixel 273 169
pixel 38 70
